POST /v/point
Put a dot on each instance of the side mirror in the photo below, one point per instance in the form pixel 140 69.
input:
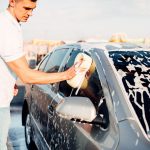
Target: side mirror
pixel 76 108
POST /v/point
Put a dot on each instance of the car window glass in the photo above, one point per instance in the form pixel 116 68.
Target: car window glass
pixel 43 63
pixel 64 88
pixel 72 58
pixel 93 89
pixel 55 60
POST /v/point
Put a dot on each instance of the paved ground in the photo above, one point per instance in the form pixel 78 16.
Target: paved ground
pixel 16 138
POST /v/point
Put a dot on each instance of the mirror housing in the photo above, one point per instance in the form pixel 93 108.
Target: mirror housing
pixel 76 108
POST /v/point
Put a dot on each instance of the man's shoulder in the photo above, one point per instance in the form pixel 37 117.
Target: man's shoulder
pixel 4 22
pixel 3 16
pixel 6 26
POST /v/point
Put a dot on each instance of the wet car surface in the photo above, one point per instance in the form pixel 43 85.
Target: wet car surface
pixel 117 90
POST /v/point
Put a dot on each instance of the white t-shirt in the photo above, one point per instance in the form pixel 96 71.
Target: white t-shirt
pixel 11 48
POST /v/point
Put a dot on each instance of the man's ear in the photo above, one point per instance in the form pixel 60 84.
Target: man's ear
pixel 12 3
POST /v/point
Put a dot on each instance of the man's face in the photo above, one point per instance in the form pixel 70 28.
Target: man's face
pixel 22 9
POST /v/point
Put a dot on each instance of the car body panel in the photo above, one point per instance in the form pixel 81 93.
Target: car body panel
pixel 131 133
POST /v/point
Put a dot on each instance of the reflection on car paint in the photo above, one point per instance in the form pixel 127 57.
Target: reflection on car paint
pixel 134 70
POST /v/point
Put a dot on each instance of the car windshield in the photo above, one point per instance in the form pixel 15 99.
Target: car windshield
pixel 134 69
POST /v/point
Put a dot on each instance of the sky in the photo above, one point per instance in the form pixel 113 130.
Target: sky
pixel 86 19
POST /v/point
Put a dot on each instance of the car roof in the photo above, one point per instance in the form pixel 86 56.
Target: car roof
pixel 109 46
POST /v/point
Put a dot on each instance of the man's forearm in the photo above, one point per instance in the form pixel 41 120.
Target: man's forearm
pixel 27 75
pixel 37 77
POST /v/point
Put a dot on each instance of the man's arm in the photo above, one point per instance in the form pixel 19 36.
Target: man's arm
pixel 27 75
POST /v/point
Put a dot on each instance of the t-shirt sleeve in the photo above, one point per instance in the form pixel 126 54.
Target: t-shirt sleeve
pixel 12 46
pixel 9 58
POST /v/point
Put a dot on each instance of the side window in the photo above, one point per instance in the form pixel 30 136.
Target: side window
pixel 92 87
pixel 64 88
pixel 55 60
pixel 43 63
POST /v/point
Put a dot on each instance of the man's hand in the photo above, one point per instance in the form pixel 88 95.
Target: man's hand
pixel 15 90
pixel 71 72
pixel 75 69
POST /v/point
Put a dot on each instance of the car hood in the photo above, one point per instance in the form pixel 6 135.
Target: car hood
pixel 132 137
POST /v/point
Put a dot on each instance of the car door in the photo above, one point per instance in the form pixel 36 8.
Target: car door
pixel 69 134
pixel 42 95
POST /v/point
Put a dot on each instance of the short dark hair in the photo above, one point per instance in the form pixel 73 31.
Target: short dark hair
pixel 30 0
pixel 21 0
pixel 33 0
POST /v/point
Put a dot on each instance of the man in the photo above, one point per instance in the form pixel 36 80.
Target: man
pixel 13 62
